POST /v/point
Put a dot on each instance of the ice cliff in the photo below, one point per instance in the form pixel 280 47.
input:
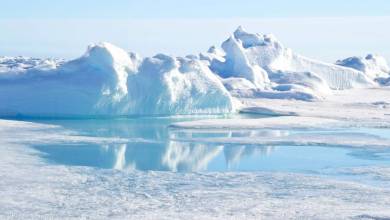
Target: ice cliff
pixel 109 81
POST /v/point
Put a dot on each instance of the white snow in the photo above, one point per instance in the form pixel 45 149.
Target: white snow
pixel 345 108
pixel 356 107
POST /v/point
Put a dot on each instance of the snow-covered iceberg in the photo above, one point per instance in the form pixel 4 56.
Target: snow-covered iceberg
pixel 165 85
pixel 106 80
pixel 259 65
pixel 109 81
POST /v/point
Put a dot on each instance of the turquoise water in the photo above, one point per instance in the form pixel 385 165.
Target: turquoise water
pixel 165 149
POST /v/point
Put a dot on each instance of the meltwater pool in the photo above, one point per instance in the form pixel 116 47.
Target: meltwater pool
pixel 160 149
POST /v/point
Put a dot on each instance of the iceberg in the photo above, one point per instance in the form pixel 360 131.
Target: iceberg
pixel 274 71
pixel 108 81
pixel 165 85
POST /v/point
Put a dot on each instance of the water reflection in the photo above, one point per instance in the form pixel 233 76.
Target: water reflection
pixel 171 150
pixel 234 154
pixel 169 155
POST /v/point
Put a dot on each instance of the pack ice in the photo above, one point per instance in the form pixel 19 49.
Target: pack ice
pixel 108 81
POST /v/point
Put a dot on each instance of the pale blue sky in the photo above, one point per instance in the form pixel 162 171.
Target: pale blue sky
pixel 190 9
pixel 327 30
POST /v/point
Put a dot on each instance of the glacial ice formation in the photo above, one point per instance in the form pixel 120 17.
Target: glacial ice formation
pixel 165 85
pixel 106 80
pixel 275 71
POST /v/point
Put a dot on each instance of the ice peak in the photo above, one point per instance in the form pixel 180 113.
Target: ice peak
pixel 106 55
pixel 239 30
pixel 253 39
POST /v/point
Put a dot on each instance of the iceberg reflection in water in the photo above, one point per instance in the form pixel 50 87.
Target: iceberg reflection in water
pixel 175 156
pixel 164 149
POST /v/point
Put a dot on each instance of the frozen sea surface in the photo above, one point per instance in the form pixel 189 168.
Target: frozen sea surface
pixel 140 168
